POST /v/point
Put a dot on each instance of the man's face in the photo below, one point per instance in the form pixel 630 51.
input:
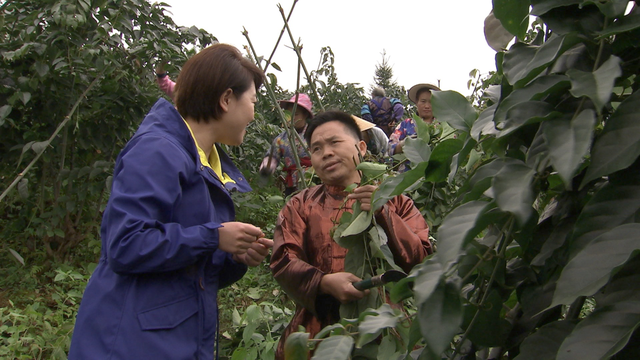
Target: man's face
pixel 424 106
pixel 334 154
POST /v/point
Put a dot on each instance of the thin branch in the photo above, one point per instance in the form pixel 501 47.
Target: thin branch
pixel 266 66
pixel 48 142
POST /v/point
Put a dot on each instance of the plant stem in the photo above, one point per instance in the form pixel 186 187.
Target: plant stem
pixel 266 66
pixel 272 95
pixel 296 48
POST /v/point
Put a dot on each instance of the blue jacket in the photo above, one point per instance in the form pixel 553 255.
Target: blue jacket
pixel 153 293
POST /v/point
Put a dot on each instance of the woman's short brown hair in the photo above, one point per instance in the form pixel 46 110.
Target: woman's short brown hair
pixel 207 75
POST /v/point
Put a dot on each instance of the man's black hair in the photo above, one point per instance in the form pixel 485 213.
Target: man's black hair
pixel 333 115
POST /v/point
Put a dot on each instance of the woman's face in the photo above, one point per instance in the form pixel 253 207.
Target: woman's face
pixel 241 111
pixel 424 106
pixel 300 117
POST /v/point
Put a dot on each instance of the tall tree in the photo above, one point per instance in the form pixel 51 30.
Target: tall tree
pixel 384 78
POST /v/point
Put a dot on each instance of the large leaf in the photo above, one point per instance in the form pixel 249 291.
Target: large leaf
pixel 361 223
pixel 454 109
pixel 440 316
pixel 611 8
pixel 591 269
pixel 396 185
pixel 496 35
pixel 335 348
pixel 540 7
pixel 603 333
pixel 485 124
pixel 596 85
pixel 536 90
pixel 513 190
pixel 611 206
pixel 619 144
pixel 628 23
pixel 487 316
pixel 458 228
pixel 416 150
pixel 426 277
pixel 568 141
pixel 522 63
pixel 623 286
pixel 372 325
pixel 525 113
pixel 295 347
pixel 544 343
pixel 513 14
pixel 440 160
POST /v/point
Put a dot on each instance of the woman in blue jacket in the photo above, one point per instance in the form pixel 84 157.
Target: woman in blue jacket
pixel 169 240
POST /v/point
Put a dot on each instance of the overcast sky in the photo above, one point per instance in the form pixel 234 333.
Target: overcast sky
pixel 425 41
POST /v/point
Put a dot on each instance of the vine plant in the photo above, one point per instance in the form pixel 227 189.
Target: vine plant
pixel 548 216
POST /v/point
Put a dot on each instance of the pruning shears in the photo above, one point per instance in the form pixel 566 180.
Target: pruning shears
pixel 379 280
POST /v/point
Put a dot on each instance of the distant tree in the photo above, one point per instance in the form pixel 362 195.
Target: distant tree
pixel 384 78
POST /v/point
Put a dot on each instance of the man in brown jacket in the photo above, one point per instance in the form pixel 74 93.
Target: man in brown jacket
pixel 306 261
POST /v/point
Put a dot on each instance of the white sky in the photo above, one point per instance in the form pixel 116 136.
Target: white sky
pixel 425 40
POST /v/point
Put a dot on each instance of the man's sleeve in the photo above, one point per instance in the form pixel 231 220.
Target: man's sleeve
pixel 407 232
pixel 289 263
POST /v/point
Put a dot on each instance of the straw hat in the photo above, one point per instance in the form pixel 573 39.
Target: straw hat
pixel 362 123
pixel 303 101
pixel 415 88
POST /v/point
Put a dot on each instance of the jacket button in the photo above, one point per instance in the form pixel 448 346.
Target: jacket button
pixel 201 284
pixel 201 167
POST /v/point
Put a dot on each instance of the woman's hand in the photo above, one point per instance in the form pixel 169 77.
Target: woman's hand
pixel 256 253
pixel 236 237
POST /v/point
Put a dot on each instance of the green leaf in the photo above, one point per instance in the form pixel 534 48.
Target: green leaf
pixel 359 224
pixel 513 190
pixel 372 325
pixel 522 63
pixel 335 348
pixel 426 277
pixel 623 286
pixel 626 24
pixel 541 7
pixel 25 97
pixel 41 68
pixel 295 347
pixel 23 188
pixel 440 160
pixel 568 142
pixel 619 144
pixel 603 333
pixel 17 256
pixel 597 85
pixel 611 206
pixel 591 269
pixel 545 342
pixel 485 124
pixel 276 66
pixel 513 14
pixel 611 9
pixel 537 90
pixel 5 111
pixel 39 147
pixel 525 113
pixel 372 170
pixel 440 316
pixel 396 185
pixel 454 109
pixel 458 228
pixel 496 35
pixel 416 150
pixel 488 317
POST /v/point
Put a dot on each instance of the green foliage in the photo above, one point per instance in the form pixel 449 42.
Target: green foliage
pixel 547 213
pixel 384 78
pixel 51 53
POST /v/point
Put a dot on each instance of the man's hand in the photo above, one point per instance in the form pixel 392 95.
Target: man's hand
pixel 256 253
pixel 364 194
pixel 236 237
pixel 340 286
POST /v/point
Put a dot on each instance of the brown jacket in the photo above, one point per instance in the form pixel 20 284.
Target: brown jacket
pixel 304 250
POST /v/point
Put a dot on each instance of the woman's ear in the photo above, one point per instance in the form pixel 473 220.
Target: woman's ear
pixel 225 99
